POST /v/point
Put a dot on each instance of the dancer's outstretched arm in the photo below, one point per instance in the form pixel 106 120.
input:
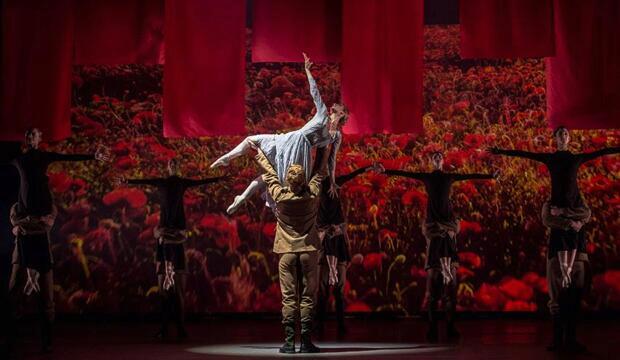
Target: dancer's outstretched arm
pixel 540 157
pixel 459 177
pixel 102 154
pixel 407 174
pixel 192 182
pixel 152 182
pixel 340 180
pixel 593 155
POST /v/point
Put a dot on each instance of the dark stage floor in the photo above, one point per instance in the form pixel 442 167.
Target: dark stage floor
pixel 366 339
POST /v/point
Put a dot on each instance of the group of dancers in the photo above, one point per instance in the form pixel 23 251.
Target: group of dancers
pixel 311 238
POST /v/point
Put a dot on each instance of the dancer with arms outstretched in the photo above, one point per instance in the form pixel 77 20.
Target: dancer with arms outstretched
pixel 565 213
pixel 170 259
pixel 440 229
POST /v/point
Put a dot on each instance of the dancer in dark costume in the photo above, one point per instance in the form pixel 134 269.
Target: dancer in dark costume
pixel 32 218
pixel 297 244
pixel 170 260
pixel 335 254
pixel 440 229
pixel 564 213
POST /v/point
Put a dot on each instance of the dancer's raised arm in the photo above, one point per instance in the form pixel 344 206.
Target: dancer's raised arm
pixel 314 89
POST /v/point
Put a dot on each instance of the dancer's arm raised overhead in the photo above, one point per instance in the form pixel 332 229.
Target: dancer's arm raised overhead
pixel 321 109
pixel 593 155
pixel 540 157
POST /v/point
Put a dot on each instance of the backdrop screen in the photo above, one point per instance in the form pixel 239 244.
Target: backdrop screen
pixel 103 241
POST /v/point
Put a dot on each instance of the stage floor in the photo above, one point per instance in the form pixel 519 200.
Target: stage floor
pixel 366 339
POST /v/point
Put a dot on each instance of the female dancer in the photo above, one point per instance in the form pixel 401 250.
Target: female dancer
pixel 294 147
pixel 170 261
pixel 32 218
pixel 564 213
pixel 440 229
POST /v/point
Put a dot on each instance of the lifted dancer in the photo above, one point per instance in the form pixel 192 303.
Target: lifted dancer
pixel 335 250
pixel 440 229
pixel 297 243
pixel 564 213
pixel 170 260
pixel 32 218
pixel 295 147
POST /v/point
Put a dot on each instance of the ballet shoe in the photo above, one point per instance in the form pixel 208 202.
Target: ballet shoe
pixel 235 205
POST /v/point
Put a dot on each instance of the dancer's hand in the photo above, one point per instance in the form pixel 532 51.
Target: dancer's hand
pixel 333 277
pixel 32 281
pixel 333 190
pixel 576 225
pixel 377 167
pixel 496 174
pixel 451 234
pixel 555 211
pixel 118 181
pixel 169 275
pixel 307 63
pixel 493 150
pixel 565 281
pixel 48 220
pixel 103 153
pixel 447 277
pixel 17 230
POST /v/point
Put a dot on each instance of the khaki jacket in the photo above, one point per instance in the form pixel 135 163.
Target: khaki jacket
pixel 296 214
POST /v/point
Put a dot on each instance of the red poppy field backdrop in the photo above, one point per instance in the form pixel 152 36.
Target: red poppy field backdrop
pixel 103 242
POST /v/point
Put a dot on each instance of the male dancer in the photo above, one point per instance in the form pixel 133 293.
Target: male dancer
pixel 564 213
pixel 32 218
pixel 334 254
pixel 440 229
pixel 170 260
pixel 296 242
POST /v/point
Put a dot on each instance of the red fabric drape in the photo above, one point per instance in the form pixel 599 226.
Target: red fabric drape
pixel 583 90
pixel 119 32
pixel 382 48
pixel 37 47
pixel 506 28
pixel 282 29
pixel 204 74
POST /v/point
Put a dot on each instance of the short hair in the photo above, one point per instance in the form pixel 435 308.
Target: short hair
pixel 295 175
pixel 30 131
pixel 557 129
pixel 341 108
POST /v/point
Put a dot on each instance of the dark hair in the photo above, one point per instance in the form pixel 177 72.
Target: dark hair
pixel 557 129
pixel 436 153
pixel 31 131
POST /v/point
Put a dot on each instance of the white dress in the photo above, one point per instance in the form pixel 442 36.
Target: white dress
pixel 295 147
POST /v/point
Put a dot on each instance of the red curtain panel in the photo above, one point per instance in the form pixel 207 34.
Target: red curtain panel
pixel 382 48
pixel 282 29
pixel 37 48
pixel 583 77
pixel 111 32
pixel 506 28
pixel 204 74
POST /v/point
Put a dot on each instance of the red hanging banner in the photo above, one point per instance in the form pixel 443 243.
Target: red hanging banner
pixel 583 76
pixel 111 32
pixel 37 48
pixel 283 29
pixel 506 28
pixel 204 74
pixel 382 69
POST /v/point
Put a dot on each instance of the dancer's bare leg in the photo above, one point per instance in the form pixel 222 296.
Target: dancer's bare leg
pixel 239 150
pixel 256 185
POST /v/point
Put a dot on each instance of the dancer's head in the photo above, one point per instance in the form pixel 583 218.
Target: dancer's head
pixel 296 178
pixel 173 167
pixel 437 160
pixel 562 137
pixel 338 115
pixel 33 138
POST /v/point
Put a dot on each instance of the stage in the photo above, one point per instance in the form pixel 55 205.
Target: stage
pixel 366 338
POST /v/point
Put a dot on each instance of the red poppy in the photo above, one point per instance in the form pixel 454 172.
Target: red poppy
pixel 536 281
pixel 417 272
pixel 520 305
pixel 153 219
pixel 269 230
pixel 471 259
pixel 357 306
pixel 385 234
pixel 516 289
pixel 59 182
pixel 125 163
pixel 489 297
pixel 464 273
pixel 133 197
pixel 470 226
pixel 373 261
pixel 473 140
pixel 414 196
